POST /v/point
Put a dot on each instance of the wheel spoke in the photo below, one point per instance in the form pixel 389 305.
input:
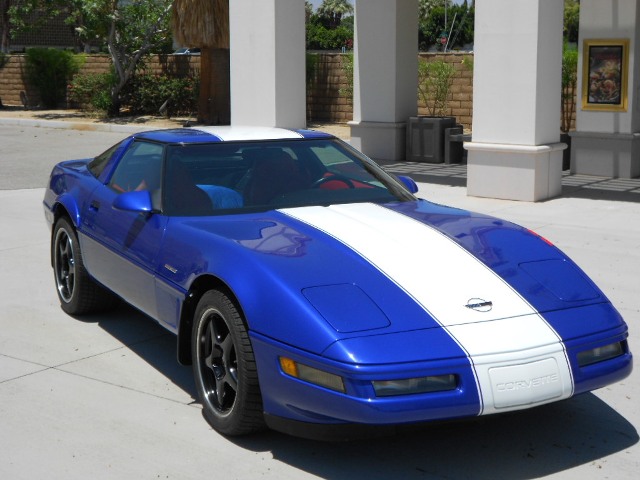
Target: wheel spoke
pixel 207 347
pixel 231 364
pixel 65 267
pixel 218 363
pixel 220 392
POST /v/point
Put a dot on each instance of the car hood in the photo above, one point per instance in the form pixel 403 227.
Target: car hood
pixel 460 267
pixel 406 266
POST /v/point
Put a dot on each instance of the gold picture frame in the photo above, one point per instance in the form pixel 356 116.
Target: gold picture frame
pixel 605 70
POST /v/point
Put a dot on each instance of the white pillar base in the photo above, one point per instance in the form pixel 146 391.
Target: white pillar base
pixel 380 140
pixel 514 172
pixel 615 155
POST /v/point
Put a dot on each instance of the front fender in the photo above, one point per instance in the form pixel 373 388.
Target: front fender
pixel 67 204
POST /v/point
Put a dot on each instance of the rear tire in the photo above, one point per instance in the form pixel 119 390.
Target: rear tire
pixel 78 292
pixel 224 367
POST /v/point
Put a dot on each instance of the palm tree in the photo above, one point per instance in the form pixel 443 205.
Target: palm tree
pixel 334 10
pixel 205 24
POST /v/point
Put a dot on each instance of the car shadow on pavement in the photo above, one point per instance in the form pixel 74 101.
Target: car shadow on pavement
pixel 534 443
pixel 519 445
pixel 148 340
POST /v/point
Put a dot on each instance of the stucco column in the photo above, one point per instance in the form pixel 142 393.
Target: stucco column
pixel 607 141
pixel 515 151
pixel 267 44
pixel 385 76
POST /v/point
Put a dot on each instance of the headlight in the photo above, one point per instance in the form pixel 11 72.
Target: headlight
pixel 312 375
pixel 438 383
pixel 600 354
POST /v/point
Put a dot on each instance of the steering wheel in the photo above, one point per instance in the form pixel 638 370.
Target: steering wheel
pixel 334 177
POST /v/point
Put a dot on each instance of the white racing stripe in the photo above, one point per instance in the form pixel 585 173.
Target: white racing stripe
pixel 443 278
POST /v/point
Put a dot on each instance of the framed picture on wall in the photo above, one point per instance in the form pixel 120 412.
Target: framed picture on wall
pixel 605 67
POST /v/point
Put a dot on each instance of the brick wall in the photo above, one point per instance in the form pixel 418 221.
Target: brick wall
pixel 13 78
pixel 328 99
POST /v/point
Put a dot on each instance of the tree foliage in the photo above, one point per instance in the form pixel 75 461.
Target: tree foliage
pixel 331 27
pixel 571 20
pixel 334 10
pixel 432 25
pixel 129 28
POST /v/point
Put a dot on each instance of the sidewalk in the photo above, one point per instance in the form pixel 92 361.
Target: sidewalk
pixel 80 120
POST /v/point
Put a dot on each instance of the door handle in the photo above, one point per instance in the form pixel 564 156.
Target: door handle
pixel 94 205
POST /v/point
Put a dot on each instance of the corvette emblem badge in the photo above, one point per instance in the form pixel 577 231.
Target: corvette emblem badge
pixel 479 305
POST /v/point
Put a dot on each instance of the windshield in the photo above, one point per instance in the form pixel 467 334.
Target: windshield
pixel 216 178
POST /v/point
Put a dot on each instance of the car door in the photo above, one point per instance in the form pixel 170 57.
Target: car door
pixel 121 247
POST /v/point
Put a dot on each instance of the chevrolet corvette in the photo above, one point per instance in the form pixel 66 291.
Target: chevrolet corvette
pixel 315 294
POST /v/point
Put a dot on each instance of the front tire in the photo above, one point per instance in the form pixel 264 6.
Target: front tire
pixel 224 367
pixel 78 292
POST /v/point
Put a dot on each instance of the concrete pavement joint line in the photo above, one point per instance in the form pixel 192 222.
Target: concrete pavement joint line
pixel 104 382
pixel 44 368
pixel 56 367
pixel 61 370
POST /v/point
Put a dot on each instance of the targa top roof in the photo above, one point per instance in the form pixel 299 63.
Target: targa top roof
pixel 202 134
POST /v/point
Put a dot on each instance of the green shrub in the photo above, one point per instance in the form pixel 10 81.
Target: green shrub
pixel 49 70
pixel 144 95
pixel 92 91
pixel 434 85
pixel 147 93
pixel 569 85
pixel 347 67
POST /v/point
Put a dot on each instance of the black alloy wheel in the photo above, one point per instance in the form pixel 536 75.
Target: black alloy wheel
pixel 77 291
pixel 224 367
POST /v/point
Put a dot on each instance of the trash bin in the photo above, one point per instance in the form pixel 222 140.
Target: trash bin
pixel 425 138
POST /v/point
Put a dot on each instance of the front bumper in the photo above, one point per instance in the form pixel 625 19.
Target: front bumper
pixel 304 409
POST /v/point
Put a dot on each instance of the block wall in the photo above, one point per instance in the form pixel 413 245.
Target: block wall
pixel 328 86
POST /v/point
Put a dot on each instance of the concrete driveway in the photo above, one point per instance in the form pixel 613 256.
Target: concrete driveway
pixel 103 397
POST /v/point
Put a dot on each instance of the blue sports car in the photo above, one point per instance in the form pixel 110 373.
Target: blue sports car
pixel 313 293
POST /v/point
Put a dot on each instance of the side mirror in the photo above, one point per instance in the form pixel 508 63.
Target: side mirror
pixel 138 201
pixel 409 183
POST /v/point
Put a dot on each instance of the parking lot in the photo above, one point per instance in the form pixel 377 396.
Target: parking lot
pixel 103 396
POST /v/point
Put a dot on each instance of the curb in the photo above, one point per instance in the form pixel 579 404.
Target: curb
pixel 82 126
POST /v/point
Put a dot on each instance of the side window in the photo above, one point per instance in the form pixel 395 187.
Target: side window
pixel 339 162
pixel 140 168
pixel 96 166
